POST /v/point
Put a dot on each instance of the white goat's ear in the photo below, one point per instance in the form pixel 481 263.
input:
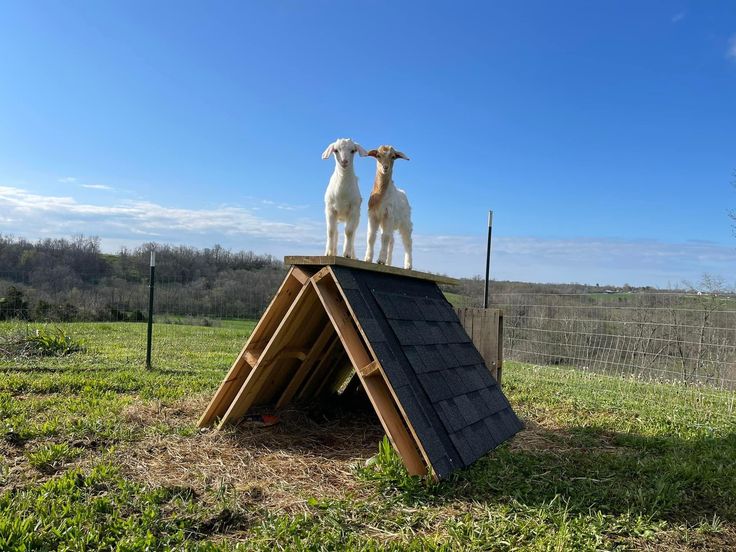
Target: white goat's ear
pixel 329 151
pixel 400 155
pixel 361 150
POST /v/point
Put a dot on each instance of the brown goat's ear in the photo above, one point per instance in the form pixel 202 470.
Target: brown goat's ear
pixel 400 155
pixel 372 153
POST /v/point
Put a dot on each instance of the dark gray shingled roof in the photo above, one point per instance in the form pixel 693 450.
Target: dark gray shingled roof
pixel 457 409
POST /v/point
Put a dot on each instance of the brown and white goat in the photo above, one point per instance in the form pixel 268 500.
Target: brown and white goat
pixel 388 209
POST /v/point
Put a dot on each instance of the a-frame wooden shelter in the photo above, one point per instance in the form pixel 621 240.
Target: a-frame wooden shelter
pixel 394 331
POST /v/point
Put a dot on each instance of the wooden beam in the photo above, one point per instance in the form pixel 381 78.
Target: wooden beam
pixel 290 324
pixel 376 388
pixel 499 367
pixel 336 378
pixel 369 369
pixel 326 272
pixel 355 263
pixel 248 357
pixel 329 356
pixel 301 275
pixel 305 367
pixel 294 352
pixel 251 357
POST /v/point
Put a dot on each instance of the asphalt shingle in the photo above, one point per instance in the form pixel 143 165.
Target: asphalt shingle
pixel 455 407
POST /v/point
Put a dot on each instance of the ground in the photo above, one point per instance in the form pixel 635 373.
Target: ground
pixel 98 453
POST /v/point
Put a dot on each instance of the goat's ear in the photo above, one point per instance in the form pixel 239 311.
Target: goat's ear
pixel 361 150
pixel 329 151
pixel 400 155
pixel 372 153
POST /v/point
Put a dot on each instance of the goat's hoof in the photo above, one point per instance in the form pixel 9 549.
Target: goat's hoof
pixel 348 256
pixel 381 262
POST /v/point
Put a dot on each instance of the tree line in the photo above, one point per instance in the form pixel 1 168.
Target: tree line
pixel 72 279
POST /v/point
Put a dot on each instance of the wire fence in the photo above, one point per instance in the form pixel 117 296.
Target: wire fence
pixel 673 337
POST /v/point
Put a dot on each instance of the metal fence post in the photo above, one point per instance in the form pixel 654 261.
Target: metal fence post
pixel 488 259
pixel 151 283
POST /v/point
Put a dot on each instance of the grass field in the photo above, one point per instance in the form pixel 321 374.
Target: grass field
pixel 97 453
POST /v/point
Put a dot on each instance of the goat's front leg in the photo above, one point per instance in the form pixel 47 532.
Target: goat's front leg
pixel 406 239
pixel 351 226
pixel 331 218
pixel 390 252
pixel 372 231
pixel 387 233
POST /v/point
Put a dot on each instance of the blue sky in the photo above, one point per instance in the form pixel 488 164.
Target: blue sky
pixel 602 134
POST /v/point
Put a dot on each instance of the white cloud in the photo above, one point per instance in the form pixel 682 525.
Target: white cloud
pixel 59 214
pixel 731 52
pixel 68 180
pixel 96 186
pixel 679 16
pixel 585 260
pixel 283 206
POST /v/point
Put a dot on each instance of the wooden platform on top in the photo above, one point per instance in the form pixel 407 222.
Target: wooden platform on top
pixel 297 260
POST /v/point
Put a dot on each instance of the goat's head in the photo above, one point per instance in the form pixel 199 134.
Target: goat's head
pixel 385 156
pixel 344 149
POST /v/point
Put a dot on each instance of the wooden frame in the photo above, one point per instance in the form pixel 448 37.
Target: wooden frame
pixel 294 352
pixel 305 262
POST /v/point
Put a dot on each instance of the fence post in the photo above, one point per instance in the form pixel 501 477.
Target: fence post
pixel 151 282
pixel 488 259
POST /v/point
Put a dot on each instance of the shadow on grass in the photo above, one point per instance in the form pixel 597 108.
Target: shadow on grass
pixel 663 478
pixel 588 471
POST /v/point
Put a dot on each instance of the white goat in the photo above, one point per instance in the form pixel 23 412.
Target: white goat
pixel 388 207
pixel 342 198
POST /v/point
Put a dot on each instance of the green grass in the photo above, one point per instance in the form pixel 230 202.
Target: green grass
pixel 457 300
pixel 90 444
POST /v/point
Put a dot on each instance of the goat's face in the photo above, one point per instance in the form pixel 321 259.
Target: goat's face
pixel 385 156
pixel 344 149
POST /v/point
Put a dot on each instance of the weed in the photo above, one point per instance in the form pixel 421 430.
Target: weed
pixel 41 341
pixel 50 458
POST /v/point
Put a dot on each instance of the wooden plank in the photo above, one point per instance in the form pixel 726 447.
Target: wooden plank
pixel 327 272
pixel 484 327
pixel 300 274
pixel 335 377
pixel 248 357
pixel 369 369
pixel 290 324
pixel 306 366
pixel 499 363
pixel 490 347
pixel 355 263
pixel 299 353
pixel 326 360
pixel 286 365
pixel 376 388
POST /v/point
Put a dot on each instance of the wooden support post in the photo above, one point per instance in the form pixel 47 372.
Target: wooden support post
pixel 305 367
pixel 293 352
pixel 499 363
pixel 291 323
pixel 300 275
pixel 248 357
pixel 369 369
pixel 376 388
pixel 323 365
